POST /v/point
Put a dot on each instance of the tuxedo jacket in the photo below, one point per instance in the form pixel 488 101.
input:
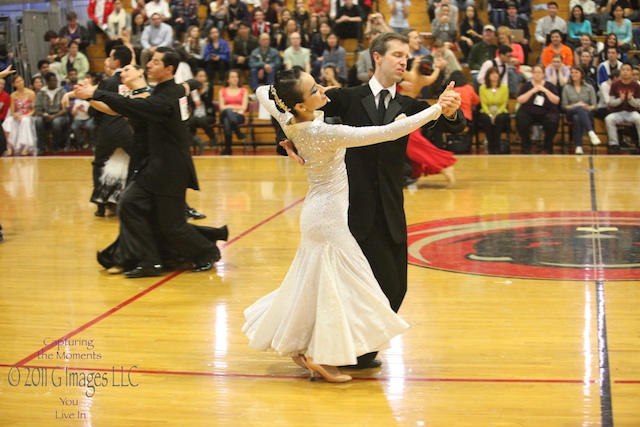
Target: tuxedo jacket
pixel 376 172
pixel 113 131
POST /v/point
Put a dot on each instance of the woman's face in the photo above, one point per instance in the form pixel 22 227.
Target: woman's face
pixel 233 79
pixel 18 82
pixel 618 12
pixel 139 20
pixel 556 63
pixel 312 93
pixel 612 40
pixel 73 49
pixel 576 76
pixel 470 13
pixel 291 26
pixel 214 34
pixel 585 42
pixel 329 73
pixel 494 77
pixel 325 28
pixel 585 58
pixel 194 33
pixel 37 84
pixel 537 74
pixel 285 16
pixel 332 40
pixel 130 74
pixel 577 13
pixel 201 76
pixel 504 38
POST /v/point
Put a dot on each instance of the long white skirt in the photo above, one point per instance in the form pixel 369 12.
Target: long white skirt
pixel 21 134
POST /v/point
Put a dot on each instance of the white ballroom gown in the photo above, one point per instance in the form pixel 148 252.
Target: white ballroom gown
pixel 329 305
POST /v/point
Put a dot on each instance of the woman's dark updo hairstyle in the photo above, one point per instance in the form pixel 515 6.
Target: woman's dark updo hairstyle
pixel 287 86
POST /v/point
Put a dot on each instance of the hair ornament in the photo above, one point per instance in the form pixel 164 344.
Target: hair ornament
pixel 279 101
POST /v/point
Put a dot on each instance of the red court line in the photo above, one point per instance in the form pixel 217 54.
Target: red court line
pixel 266 376
pixel 143 293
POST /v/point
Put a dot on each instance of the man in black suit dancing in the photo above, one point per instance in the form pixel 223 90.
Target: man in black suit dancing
pixel 156 196
pixel 376 178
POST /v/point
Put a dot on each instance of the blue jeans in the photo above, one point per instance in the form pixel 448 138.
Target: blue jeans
pixel 582 123
pixel 230 120
pixel 254 82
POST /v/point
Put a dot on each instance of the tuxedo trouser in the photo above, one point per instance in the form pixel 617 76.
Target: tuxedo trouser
pixel 388 261
pixel 138 208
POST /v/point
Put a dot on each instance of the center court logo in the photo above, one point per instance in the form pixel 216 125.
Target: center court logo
pixel 550 245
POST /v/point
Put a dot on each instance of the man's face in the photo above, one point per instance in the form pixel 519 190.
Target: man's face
pixel 113 63
pixel 155 67
pixel 394 62
pixel 626 73
pixel 73 76
pixel 612 55
pixel 243 31
pixel 414 41
pixel 556 39
pixel 44 69
pixel 52 83
pixel 512 11
pixel 265 41
pixel 259 16
pixel 487 36
pixel 156 20
pixel 295 39
pixel 553 10
pixel 505 57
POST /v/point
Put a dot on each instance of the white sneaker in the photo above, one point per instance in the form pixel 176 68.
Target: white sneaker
pixel 594 138
pixel 579 150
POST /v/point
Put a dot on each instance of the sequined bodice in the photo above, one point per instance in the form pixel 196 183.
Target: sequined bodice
pixel 24 106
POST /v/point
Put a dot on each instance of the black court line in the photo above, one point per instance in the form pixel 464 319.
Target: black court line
pixel 606 406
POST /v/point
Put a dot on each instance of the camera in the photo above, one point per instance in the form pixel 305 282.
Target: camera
pixel 426 65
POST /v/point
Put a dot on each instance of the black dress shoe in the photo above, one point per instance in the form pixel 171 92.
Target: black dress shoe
pixel 194 214
pixel 205 266
pixel 375 363
pixel 100 211
pixel 138 272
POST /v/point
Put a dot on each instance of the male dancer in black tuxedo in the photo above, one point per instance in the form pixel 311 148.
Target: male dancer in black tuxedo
pixel 155 198
pixel 376 177
pixel 113 131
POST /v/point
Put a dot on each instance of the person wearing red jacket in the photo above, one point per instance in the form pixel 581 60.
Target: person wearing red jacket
pixel 99 11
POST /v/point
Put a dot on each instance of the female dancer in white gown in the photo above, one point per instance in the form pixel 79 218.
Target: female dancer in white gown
pixel 329 309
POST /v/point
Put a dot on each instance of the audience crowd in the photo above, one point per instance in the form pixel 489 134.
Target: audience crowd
pixel 550 67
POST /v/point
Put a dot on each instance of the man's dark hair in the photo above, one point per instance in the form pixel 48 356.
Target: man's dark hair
pixel 170 57
pixel 552 32
pixel 50 35
pixel 122 54
pixel 552 3
pixel 49 76
pixel 71 16
pixel 612 48
pixel 381 44
pixel 626 64
pixel 42 62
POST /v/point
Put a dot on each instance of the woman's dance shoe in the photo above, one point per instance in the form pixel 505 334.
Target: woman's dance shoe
pixel 329 373
pixel 116 269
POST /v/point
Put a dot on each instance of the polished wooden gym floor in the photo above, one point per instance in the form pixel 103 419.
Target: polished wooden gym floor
pixel 524 303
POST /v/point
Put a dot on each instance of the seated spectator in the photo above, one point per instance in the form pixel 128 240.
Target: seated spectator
pixel 318 46
pixel 336 56
pixel 50 114
pixel 185 16
pixel 502 62
pixel 58 47
pixel 302 16
pixel 415 44
pixel 268 8
pixel 556 47
pixel 470 31
pixel 137 27
pixel 260 24
pixel 621 27
pixel 399 10
pixel 538 101
pixel 468 96
pixel 547 24
pixel 524 10
pixel 453 12
pixel 19 123
pixel 494 113
pixel 364 65
pixel 71 80
pixel 611 41
pixel 155 35
pixel 578 25
pixel 264 62
pixel 233 100
pixel 243 45
pixel 98 11
pixel 319 11
pixel 557 73
pixel 612 63
pixel 517 54
pixel 441 52
pixel 37 83
pixel 376 21
pixel 161 7
pixel 329 77
pixel 217 16
pixel 203 115
pixel 348 22
pixel 81 120
pixel 119 20
pixel 588 9
pixel 75 32
pixel 283 36
pixel 623 104
pixel 296 55
pixel 442 27
pixel 590 71
pixel 140 7
pixel 482 51
pixel 43 69
pixel 74 60
pixel 216 56
pixel 237 12
pixel 586 45
pixel 604 95
pixel 579 103
pixel 515 22
pixel 195 46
